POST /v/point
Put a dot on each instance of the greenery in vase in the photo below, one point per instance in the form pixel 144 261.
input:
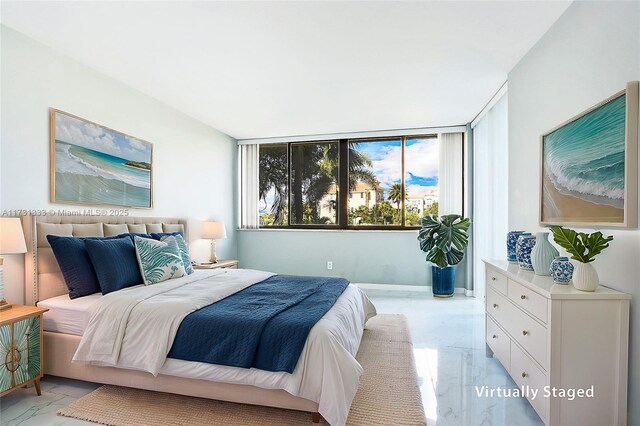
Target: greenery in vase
pixel 582 247
pixel 444 239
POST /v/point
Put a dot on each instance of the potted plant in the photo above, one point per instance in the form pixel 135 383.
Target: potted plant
pixel 584 248
pixel 444 240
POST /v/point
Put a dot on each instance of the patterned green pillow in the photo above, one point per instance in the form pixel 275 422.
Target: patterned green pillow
pixel 184 252
pixel 158 260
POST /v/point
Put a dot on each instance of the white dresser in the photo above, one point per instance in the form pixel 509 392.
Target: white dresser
pixel 554 336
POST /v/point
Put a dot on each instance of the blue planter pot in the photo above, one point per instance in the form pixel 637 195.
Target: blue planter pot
pixel 443 281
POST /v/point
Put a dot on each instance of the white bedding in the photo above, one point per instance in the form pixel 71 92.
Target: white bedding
pixel 326 373
pixel 69 316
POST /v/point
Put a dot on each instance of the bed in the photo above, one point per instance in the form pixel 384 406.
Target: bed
pixel 323 382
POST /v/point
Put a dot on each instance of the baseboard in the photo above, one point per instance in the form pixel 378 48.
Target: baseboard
pixel 393 287
pixel 410 288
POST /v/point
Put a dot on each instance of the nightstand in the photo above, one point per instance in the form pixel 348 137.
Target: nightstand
pixel 20 347
pixel 220 264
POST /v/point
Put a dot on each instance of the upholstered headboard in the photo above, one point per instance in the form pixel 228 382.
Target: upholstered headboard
pixel 43 278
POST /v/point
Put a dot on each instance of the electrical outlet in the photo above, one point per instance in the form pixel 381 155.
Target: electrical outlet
pixel 329 265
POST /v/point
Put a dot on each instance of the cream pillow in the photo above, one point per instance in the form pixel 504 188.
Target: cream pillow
pixel 159 260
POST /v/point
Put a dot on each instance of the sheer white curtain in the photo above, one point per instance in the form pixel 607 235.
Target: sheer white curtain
pixel 490 190
pixel 249 162
pixel 450 174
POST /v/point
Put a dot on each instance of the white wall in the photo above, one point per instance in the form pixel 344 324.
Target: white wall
pixel 591 52
pixel 194 164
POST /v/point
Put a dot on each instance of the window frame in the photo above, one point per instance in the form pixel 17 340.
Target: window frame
pixel 342 210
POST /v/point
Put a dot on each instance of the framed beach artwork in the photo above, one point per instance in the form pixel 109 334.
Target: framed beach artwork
pixel 590 166
pixel 92 164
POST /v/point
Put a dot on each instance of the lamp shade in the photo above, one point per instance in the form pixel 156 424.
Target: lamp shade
pixel 11 236
pixel 213 231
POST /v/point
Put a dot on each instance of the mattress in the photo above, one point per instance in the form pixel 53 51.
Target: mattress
pixel 69 316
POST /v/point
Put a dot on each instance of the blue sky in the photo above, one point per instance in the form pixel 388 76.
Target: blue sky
pixel 421 163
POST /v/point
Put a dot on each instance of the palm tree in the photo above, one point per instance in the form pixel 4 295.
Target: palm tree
pixel 396 195
pixel 314 169
pixel 360 168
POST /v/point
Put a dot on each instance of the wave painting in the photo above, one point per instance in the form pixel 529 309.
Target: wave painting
pixel 584 167
pixel 95 165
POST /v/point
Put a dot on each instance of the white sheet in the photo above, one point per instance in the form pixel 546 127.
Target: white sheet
pixel 326 373
pixel 69 316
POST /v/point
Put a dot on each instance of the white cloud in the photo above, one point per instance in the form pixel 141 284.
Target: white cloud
pixel 92 130
pixel 418 190
pixel 421 159
pixel 389 168
pixel 136 144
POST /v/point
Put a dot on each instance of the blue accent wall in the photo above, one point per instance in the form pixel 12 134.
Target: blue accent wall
pixel 378 257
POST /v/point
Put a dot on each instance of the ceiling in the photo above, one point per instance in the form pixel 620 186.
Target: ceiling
pixel 261 69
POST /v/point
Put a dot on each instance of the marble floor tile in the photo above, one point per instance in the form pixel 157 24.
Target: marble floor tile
pixel 449 348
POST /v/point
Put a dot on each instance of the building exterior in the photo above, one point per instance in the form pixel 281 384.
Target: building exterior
pixel 362 195
pixel 419 202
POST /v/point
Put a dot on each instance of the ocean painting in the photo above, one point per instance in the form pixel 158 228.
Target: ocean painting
pixel 584 168
pixel 96 165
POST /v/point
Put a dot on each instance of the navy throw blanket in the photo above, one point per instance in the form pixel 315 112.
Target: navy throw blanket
pixel 264 326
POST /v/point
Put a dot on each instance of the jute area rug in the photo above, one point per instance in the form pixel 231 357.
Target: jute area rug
pixel 388 393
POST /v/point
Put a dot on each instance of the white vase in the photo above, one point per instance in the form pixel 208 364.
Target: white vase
pixel 543 254
pixel 585 277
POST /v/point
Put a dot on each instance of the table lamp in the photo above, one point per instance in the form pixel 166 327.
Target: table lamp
pixel 213 231
pixel 11 242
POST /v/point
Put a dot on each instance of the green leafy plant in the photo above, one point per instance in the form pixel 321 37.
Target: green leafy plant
pixel 582 247
pixel 444 239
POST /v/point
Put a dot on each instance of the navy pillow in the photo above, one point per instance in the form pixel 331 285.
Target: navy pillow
pixel 115 263
pixel 158 235
pixel 136 235
pixel 75 264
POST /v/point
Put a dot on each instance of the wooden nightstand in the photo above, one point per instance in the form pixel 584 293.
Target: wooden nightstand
pixel 220 264
pixel 20 347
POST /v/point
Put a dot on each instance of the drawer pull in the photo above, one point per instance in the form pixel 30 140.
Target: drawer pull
pixel 523 297
pixel 525 332
pixel 524 375
pixel 493 278
pixel 495 336
pixel 495 305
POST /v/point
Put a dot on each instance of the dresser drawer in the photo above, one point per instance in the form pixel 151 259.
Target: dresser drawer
pixel 528 300
pixel 496 280
pixel 525 372
pixel 531 335
pixel 499 343
pixel 498 306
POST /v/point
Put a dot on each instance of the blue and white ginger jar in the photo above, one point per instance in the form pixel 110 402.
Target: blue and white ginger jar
pixel 525 245
pixel 512 240
pixel 561 270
